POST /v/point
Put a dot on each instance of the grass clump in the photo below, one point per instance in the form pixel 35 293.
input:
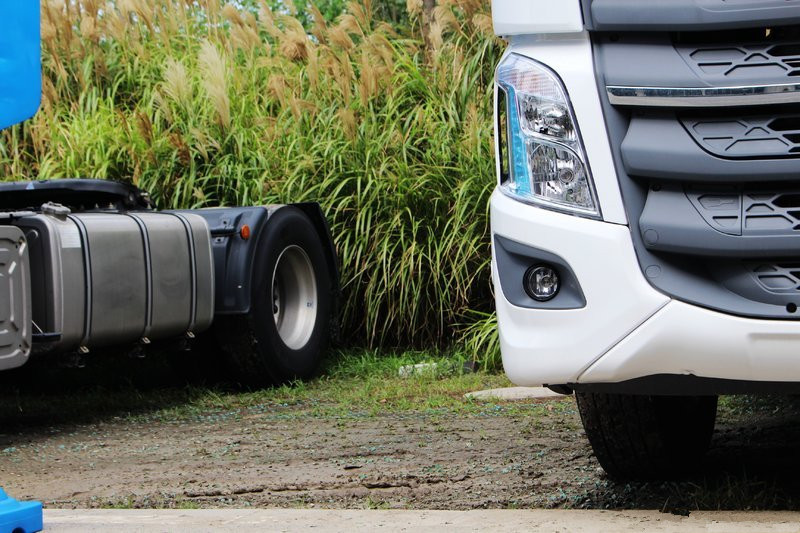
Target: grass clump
pixel 360 383
pixel 212 103
pixel 355 383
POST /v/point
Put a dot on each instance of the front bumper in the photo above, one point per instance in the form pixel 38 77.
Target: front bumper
pixel 627 329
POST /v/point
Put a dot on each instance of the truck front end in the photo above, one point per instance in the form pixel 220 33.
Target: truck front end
pixel 646 222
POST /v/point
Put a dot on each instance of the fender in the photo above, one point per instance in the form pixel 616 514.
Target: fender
pixel 234 254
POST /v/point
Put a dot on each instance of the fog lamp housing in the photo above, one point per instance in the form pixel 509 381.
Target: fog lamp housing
pixel 541 282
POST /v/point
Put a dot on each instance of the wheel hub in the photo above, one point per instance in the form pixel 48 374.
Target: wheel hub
pixel 294 297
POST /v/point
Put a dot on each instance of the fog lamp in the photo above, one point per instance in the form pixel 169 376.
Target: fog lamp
pixel 541 282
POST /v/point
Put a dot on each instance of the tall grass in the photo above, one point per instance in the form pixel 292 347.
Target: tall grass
pixel 204 103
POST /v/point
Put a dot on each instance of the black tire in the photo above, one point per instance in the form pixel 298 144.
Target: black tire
pixel 648 437
pixel 253 346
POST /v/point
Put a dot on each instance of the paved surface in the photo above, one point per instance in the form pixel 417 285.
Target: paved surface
pixel 62 521
pixel 514 393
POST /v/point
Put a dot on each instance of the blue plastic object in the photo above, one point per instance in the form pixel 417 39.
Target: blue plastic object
pixel 20 61
pixel 19 517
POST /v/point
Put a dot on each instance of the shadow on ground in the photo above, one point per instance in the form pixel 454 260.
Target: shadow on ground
pixel 508 455
pixel 104 385
pixel 753 463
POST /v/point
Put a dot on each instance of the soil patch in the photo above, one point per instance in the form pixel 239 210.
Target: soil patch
pixel 532 454
pixel 362 437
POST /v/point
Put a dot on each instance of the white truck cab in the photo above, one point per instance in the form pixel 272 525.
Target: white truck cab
pixel 646 220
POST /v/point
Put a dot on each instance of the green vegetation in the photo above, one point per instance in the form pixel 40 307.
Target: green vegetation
pixel 358 383
pixel 207 103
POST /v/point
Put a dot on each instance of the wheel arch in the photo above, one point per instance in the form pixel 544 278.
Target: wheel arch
pixel 234 256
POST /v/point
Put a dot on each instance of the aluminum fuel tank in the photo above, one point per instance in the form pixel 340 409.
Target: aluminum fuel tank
pixel 105 278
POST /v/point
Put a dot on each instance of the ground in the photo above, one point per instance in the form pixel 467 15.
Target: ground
pixel 360 438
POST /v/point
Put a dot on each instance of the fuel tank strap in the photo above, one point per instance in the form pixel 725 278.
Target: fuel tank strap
pixel 148 274
pixel 193 259
pixel 87 269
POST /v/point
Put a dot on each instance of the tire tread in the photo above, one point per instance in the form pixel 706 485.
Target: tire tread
pixel 634 436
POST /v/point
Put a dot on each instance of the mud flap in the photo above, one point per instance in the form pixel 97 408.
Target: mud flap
pixel 15 299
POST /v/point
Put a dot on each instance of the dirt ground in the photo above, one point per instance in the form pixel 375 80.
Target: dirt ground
pixel 533 454
pixel 277 459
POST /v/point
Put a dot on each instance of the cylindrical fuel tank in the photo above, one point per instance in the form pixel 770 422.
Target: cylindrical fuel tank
pixel 105 278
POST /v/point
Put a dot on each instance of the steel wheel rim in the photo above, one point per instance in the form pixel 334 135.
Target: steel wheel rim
pixel 293 295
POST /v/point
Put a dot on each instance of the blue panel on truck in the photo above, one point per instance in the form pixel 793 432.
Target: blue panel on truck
pixel 20 61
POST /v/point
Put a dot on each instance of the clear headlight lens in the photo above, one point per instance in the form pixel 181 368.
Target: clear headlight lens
pixel 546 160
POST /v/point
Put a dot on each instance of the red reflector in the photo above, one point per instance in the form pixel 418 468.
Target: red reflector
pixel 245 232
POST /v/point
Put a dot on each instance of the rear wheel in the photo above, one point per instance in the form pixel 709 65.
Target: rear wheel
pixel 648 437
pixel 295 301
pixel 286 332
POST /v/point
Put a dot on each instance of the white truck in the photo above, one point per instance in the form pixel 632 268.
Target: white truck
pixel 646 221
pixel 88 264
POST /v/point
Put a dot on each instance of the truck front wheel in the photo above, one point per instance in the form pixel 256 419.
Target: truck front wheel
pixel 648 437
pixel 286 332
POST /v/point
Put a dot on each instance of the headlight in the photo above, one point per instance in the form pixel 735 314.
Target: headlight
pixel 542 160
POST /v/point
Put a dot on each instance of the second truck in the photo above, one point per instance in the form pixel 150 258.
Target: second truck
pixel 87 264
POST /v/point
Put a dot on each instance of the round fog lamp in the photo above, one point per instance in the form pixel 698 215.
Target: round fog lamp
pixel 541 282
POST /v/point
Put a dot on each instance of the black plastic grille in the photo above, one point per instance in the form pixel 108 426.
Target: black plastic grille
pixel 777 277
pixel 747 137
pixel 744 62
pixel 733 249
pixel 749 213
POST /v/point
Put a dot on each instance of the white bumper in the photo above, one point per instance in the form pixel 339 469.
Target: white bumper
pixel 627 329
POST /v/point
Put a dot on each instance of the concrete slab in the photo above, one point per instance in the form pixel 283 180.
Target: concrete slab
pixel 514 393
pixel 291 520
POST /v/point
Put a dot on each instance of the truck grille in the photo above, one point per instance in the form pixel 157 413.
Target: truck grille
pixel 747 136
pixel 777 277
pixel 727 63
pixel 712 191
pixel 754 212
